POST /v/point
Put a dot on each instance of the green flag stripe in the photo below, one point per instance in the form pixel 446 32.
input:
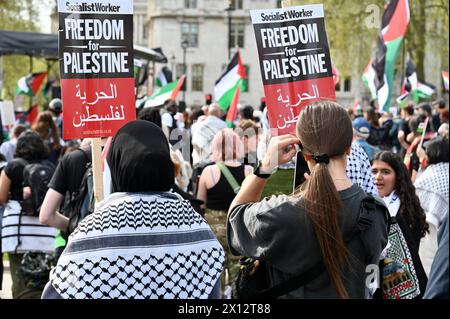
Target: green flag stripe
pixel 393 48
pixel 227 97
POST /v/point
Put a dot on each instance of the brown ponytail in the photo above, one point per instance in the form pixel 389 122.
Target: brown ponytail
pixel 324 128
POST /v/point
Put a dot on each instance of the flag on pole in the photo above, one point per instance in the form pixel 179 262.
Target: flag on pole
pixel 423 91
pixel 164 77
pixel 410 82
pixel 402 99
pixel 32 114
pixel 232 110
pixel 357 110
pixel 29 85
pixel 168 92
pixel 226 86
pixel 368 78
pixel 393 29
pixel 46 91
pixel 413 86
pixel 445 79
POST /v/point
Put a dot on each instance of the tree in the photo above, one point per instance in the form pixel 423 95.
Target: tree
pixel 19 15
pixel 353 38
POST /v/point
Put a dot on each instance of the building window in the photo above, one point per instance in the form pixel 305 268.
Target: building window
pixel 197 77
pixel 144 31
pixel 189 31
pixel 337 87
pixel 237 35
pixel 279 3
pixel 348 85
pixel 190 4
pixel 237 4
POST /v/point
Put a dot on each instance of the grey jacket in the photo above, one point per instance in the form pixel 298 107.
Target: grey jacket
pixel 278 231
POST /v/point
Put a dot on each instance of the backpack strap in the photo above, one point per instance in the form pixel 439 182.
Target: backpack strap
pixel 230 178
pixel 293 283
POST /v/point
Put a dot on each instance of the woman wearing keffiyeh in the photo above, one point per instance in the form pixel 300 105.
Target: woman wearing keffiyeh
pixel 402 273
pixel 432 190
pixel 142 241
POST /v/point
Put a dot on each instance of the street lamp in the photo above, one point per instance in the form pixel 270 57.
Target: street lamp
pixel 228 10
pixel 184 46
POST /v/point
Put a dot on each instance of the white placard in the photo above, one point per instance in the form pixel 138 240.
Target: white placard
pixel 7 113
pixel 287 14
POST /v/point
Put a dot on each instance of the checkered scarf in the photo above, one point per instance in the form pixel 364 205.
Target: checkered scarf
pixel 435 180
pixel 140 246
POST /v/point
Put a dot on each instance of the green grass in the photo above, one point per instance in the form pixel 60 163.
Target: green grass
pixel 280 183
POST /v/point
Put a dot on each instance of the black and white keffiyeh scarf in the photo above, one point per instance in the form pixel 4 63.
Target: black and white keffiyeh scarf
pixel 435 179
pixel 432 190
pixel 140 246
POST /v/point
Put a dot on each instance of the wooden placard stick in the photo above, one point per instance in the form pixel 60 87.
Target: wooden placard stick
pixel 97 168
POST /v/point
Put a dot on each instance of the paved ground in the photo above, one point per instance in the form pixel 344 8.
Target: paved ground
pixel 6 292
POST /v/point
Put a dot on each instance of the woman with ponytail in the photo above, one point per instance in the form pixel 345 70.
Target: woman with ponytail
pixel 318 224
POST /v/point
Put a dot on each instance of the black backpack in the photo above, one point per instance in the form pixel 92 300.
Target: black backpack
pixel 80 203
pixel 36 175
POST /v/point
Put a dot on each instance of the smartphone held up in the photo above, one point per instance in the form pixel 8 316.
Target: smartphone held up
pixel 301 167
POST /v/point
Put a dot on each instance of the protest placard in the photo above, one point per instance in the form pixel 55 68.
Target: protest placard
pixel 96 65
pixel 7 113
pixel 295 61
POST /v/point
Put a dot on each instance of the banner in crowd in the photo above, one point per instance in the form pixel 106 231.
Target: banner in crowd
pixel 96 65
pixel 295 61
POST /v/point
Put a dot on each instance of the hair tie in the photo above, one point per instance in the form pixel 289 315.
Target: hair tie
pixel 319 159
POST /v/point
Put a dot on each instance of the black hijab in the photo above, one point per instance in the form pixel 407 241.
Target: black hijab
pixel 139 159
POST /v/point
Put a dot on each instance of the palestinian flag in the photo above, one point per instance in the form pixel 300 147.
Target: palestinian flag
pixel 423 91
pixel 29 85
pixel 357 110
pixel 445 79
pixel 32 114
pixel 393 29
pixel 413 86
pixel 47 90
pixel 232 110
pixel 167 92
pixel 227 84
pixel 164 77
pixel 368 78
pixel 402 99
pixel 410 82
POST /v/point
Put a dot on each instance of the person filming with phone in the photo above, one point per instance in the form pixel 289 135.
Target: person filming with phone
pixel 318 226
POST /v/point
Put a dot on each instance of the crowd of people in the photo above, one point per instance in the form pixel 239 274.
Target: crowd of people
pixel 185 205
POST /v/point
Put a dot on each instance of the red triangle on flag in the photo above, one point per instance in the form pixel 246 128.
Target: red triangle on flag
pixel 37 80
pixel 241 68
pixel 232 110
pixel 32 114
